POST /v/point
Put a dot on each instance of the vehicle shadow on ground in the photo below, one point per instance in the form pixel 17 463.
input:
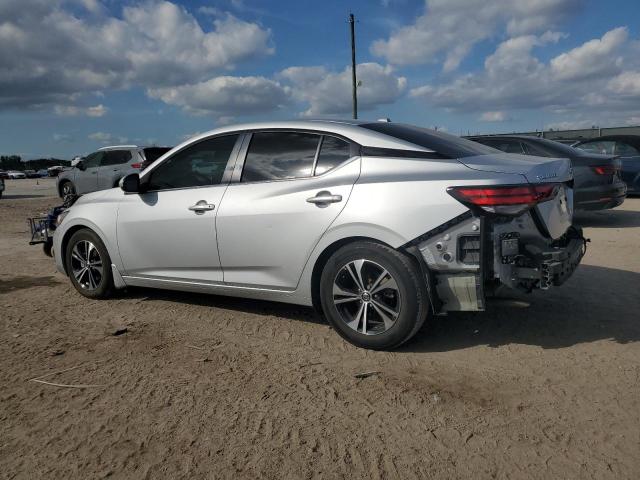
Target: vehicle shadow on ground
pixel 258 307
pixel 597 303
pixel 608 219
pixel 18 197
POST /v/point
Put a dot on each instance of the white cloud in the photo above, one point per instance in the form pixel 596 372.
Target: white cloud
pixel 496 116
pixel 224 96
pixel 51 56
pixel 73 110
pixel 625 84
pixel 329 93
pixel 62 137
pixel 449 29
pixel 569 84
pixel 102 137
pixel 592 58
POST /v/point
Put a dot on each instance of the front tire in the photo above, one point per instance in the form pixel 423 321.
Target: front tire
pixel 88 265
pixel 67 188
pixel 373 296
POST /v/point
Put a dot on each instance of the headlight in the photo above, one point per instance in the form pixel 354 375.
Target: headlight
pixel 61 217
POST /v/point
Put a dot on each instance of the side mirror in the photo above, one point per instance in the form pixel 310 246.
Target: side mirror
pixel 80 165
pixel 130 183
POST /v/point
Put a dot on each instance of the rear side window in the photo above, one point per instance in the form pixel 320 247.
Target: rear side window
pixel 279 156
pixel 508 146
pixel 333 152
pixel 199 165
pixel 116 157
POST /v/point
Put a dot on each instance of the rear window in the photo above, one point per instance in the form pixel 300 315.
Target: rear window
pixel 443 143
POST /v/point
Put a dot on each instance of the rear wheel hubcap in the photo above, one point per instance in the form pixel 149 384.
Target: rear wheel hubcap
pixel 366 297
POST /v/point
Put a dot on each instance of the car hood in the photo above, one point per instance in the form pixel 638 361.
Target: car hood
pixel 101 196
pixel 534 169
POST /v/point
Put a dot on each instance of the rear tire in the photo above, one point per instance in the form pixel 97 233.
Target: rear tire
pixel 88 265
pixel 373 296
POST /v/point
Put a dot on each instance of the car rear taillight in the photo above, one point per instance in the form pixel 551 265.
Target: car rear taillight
pixel 505 200
pixel 137 165
pixel 605 169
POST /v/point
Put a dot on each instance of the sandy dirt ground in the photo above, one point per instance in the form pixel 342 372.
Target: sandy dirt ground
pixel 203 387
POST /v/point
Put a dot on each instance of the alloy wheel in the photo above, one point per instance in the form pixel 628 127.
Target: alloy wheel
pixel 366 296
pixel 86 264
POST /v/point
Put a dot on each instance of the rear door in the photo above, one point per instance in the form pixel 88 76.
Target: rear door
pixel 113 166
pixel 86 179
pixel 287 190
pixel 169 232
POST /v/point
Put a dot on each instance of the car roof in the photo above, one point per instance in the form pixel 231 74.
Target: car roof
pixel 348 128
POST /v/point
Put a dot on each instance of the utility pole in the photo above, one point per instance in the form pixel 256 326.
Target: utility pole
pixel 354 87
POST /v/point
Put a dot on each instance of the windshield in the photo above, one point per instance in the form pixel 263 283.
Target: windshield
pixel 443 143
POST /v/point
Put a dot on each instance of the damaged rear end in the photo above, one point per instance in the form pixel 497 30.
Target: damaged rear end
pixel 518 236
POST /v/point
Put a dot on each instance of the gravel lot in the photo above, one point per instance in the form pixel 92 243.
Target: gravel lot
pixel 212 387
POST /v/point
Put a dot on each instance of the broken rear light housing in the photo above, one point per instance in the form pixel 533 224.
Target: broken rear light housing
pixel 509 200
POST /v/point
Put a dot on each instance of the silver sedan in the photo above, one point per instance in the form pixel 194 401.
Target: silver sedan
pixel 379 225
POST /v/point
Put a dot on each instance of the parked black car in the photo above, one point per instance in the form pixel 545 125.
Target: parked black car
pixel 627 148
pixel 597 182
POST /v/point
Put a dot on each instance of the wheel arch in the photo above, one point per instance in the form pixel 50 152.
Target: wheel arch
pixel 323 258
pixel 69 233
pixel 61 184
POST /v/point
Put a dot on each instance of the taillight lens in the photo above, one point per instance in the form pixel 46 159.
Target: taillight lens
pixel 505 200
pixel 605 169
pixel 137 165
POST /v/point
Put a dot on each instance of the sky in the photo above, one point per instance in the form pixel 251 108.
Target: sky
pixel 76 75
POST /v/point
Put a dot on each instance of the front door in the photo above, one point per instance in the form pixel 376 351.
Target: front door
pixel 169 232
pixel 86 178
pixel 288 195
pixel 114 164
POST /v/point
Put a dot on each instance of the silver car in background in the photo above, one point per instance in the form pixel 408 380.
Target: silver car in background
pixel 104 169
pixel 379 225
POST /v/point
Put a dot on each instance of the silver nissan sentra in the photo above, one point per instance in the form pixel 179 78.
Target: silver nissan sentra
pixel 377 224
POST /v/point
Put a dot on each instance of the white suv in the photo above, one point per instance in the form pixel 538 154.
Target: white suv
pixel 104 169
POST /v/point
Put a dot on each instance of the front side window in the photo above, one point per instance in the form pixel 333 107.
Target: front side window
pixel 279 156
pixel 116 157
pixel 625 150
pixel 510 146
pixel 198 165
pixel 534 150
pixel 92 160
pixel 601 147
pixel 333 152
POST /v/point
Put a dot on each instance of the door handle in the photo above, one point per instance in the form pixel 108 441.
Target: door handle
pixel 324 198
pixel 201 206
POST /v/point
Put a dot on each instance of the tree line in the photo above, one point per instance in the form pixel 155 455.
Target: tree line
pixel 14 162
